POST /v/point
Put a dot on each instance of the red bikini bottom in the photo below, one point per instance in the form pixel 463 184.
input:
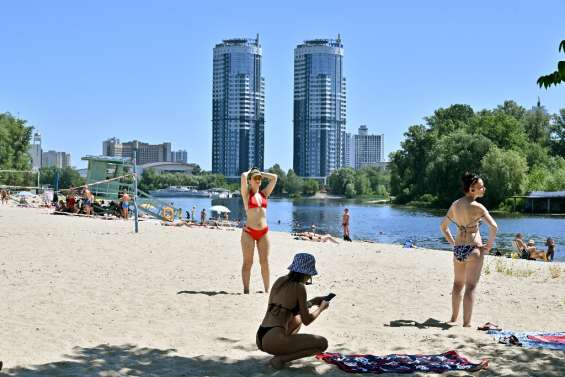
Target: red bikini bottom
pixel 256 234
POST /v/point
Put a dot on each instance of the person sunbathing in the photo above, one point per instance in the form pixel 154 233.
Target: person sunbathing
pixel 311 236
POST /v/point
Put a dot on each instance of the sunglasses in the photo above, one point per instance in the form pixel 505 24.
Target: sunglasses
pixel 257 178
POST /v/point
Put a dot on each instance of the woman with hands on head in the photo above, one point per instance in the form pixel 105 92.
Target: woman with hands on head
pixel 256 229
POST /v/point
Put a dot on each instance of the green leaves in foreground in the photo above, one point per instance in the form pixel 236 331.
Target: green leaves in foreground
pixel 556 77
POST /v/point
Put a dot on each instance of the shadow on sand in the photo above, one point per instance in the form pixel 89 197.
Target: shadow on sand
pixel 130 360
pixel 207 293
pixel 430 322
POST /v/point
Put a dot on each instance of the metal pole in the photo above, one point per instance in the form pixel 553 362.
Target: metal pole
pixel 38 173
pixel 135 191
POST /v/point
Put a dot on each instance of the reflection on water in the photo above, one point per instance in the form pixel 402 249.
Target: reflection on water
pixel 386 224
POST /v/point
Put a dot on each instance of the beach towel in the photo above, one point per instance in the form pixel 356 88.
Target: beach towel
pixel 399 363
pixel 548 340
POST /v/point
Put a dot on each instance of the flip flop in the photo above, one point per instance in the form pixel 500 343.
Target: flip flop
pixel 489 326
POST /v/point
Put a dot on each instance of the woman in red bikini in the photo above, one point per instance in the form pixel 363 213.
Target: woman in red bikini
pixel 256 229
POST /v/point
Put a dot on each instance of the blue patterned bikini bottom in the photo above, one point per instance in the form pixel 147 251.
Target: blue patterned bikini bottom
pixel 462 252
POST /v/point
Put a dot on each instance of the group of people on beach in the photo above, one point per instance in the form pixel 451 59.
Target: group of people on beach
pixel 81 201
pixel 288 306
pixel 530 251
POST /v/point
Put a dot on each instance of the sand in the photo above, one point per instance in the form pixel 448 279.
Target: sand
pixel 88 297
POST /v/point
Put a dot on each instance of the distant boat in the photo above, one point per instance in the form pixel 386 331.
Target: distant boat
pixel 219 193
pixel 180 191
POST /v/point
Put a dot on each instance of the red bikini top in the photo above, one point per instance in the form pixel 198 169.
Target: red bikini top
pixel 253 201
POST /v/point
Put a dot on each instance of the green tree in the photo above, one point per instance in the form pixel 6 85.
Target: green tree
pixel 14 149
pixel 350 190
pixel 197 170
pixel 451 157
pixel 294 183
pixel 557 134
pixel 502 129
pixel 536 125
pixel 513 109
pixel 454 118
pixel 536 155
pixel 504 173
pixel 377 177
pixel 311 187
pixel 68 177
pixel 557 77
pixel 281 178
pixel 148 180
pixel 339 179
pixel 362 183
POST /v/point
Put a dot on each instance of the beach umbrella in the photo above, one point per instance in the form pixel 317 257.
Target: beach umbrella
pixel 219 209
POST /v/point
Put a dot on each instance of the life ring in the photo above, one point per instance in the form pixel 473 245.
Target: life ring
pixel 168 214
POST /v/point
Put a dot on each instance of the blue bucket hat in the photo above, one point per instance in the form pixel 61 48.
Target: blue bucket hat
pixel 304 263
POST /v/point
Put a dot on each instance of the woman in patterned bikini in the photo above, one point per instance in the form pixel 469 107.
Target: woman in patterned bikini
pixel 468 247
pixel 256 229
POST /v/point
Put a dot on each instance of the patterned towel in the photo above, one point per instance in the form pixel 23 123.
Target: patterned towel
pixel 549 340
pixel 398 363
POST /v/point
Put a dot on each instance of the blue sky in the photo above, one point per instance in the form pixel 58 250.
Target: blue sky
pixel 84 71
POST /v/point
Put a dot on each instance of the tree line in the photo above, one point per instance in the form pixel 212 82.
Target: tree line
pixel 515 151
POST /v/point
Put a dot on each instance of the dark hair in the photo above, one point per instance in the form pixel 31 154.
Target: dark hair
pixel 297 277
pixel 468 180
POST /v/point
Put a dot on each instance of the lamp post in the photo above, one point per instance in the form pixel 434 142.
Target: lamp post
pixel 135 192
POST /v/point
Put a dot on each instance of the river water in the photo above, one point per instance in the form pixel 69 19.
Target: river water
pixel 384 223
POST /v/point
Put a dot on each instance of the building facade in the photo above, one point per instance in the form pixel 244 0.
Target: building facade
pixel 369 149
pixel 349 151
pixel 55 159
pixel 319 108
pixel 179 156
pixel 146 153
pixel 238 107
pixel 35 152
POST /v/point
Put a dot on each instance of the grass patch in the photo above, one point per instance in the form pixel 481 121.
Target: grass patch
pixel 502 268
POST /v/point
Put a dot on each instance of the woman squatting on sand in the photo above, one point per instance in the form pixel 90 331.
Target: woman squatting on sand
pixel 287 311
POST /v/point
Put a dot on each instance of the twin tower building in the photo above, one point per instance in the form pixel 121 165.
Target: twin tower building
pixel 238 108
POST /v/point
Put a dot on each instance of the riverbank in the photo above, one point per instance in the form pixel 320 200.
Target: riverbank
pixel 86 296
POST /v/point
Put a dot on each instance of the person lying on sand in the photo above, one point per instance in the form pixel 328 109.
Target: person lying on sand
pixel 310 236
pixel 287 310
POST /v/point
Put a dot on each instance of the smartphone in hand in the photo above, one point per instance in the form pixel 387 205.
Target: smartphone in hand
pixel 329 297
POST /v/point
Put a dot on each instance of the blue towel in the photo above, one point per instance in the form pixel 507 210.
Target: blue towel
pixel 530 343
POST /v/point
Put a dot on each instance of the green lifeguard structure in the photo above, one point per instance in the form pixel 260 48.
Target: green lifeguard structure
pixel 107 171
pixel 108 176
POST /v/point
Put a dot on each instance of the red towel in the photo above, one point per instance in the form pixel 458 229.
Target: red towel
pixel 548 338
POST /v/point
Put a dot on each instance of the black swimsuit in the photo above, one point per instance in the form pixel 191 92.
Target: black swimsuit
pixel 263 330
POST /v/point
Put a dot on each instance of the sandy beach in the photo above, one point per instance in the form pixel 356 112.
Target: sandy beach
pixel 88 297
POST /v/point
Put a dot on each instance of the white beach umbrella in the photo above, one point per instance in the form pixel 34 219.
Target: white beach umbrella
pixel 219 209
